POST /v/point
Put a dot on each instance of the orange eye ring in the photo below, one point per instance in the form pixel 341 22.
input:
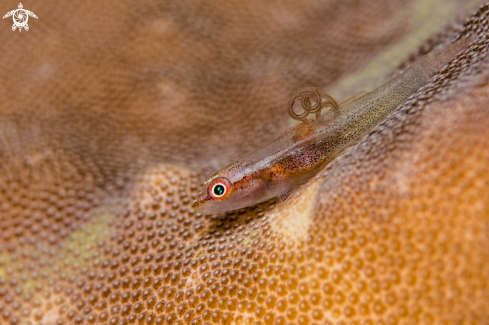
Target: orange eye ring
pixel 220 189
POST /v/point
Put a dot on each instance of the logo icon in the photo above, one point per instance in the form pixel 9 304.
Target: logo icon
pixel 20 17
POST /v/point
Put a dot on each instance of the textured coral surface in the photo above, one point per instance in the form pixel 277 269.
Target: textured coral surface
pixel 112 112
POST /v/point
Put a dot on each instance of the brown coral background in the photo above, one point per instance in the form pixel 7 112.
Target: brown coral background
pixel 112 112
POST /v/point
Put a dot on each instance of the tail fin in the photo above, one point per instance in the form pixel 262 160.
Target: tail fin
pixel 436 60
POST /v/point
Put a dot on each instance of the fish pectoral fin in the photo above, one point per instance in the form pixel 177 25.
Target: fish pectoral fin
pixel 287 187
pixel 284 196
pixel 284 192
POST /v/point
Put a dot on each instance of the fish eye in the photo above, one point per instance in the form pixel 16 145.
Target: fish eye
pixel 220 188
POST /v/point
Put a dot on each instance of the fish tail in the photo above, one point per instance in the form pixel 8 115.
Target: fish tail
pixel 436 60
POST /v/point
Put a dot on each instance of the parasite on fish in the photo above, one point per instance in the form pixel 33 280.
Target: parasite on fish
pixel 312 101
pixel 292 159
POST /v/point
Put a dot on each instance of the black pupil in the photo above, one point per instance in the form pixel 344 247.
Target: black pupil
pixel 219 189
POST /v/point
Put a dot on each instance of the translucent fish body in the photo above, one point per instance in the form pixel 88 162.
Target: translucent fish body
pixel 296 156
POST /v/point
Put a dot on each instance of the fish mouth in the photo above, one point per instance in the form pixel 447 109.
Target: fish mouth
pixel 198 203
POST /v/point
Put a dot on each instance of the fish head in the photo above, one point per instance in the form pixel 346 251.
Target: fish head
pixel 234 187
